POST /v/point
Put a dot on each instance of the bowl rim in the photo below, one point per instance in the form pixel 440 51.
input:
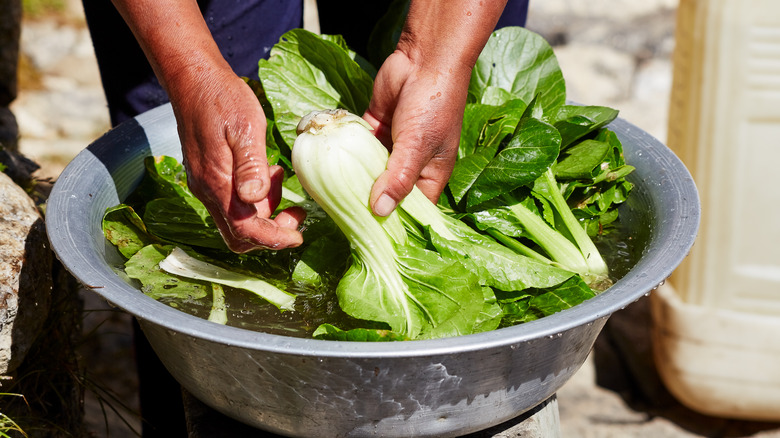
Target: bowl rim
pixel 70 199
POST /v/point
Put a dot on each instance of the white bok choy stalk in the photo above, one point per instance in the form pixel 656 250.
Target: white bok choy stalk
pixel 178 262
pixel 391 279
pixel 218 312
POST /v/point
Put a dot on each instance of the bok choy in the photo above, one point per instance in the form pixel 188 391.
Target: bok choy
pixel 512 238
pixel 178 262
pixel 415 291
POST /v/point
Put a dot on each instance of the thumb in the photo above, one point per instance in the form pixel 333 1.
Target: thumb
pixel 397 181
pixel 250 165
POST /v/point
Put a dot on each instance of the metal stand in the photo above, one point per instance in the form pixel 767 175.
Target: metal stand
pixel 540 422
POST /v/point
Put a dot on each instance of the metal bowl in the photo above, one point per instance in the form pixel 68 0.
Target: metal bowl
pixel 306 387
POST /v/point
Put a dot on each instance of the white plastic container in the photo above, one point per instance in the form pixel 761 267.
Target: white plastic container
pixel 716 324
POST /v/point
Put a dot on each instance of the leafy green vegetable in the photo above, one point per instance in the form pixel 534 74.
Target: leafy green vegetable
pixel 307 72
pixel 165 177
pixel 521 64
pixel 574 122
pixel 145 267
pixel 533 304
pixel 332 333
pixel 183 220
pixel 125 230
pixel 496 265
pixel 563 239
pixel 218 311
pixel 181 264
pixel 312 265
pixel 532 148
pixel 415 291
pixel 520 187
pixel 509 242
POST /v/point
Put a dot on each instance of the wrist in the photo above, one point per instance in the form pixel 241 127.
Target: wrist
pixel 448 35
pixel 195 73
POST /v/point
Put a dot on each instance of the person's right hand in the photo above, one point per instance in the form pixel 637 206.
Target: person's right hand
pixel 221 126
pixel 416 110
pixel 222 129
pixel 420 93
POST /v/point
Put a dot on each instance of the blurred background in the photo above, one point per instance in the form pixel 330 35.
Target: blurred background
pixel 615 53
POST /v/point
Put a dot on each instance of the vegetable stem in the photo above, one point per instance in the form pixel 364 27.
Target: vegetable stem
pixel 557 246
pixel 218 312
pixel 594 261
pixel 182 264
pixel 517 246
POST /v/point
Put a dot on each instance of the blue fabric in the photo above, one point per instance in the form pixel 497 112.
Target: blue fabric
pixel 333 20
pixel 245 31
pixel 515 14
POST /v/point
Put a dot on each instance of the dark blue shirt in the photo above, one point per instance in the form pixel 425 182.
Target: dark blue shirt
pixel 244 30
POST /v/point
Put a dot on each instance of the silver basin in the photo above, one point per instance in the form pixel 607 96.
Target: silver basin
pixel 305 387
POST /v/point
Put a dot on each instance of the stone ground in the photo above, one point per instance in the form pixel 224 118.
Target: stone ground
pixel 612 52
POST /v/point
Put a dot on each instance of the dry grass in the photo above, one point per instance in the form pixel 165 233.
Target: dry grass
pixel 48 384
pixel 42 8
pixel 29 77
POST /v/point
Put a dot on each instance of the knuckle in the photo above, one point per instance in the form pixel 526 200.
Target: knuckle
pixel 401 183
pixel 250 165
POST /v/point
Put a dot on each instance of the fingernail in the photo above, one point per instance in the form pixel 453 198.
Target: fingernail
pixel 384 205
pixel 247 189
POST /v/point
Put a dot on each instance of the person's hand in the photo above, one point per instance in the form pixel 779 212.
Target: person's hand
pixel 222 130
pixel 420 92
pixel 221 126
pixel 416 111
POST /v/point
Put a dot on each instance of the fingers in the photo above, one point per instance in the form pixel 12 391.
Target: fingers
pixel 257 232
pixel 381 129
pixel 410 166
pixel 246 227
pixel 267 205
pixel 223 141
pixel 424 161
pixel 417 112
pixel 396 182
pixel 291 218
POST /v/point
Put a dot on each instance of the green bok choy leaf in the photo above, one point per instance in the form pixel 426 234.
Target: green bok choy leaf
pixel 418 293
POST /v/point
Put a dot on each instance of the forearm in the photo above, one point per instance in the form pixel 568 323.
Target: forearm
pixel 448 34
pixel 175 39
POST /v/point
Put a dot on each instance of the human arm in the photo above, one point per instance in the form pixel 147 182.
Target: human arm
pixel 220 122
pixel 420 93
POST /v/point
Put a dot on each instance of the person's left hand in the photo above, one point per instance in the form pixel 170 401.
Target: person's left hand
pixel 417 111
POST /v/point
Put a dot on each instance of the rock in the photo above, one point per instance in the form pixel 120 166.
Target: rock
pixel 25 274
pixel 67 111
pixel 46 43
